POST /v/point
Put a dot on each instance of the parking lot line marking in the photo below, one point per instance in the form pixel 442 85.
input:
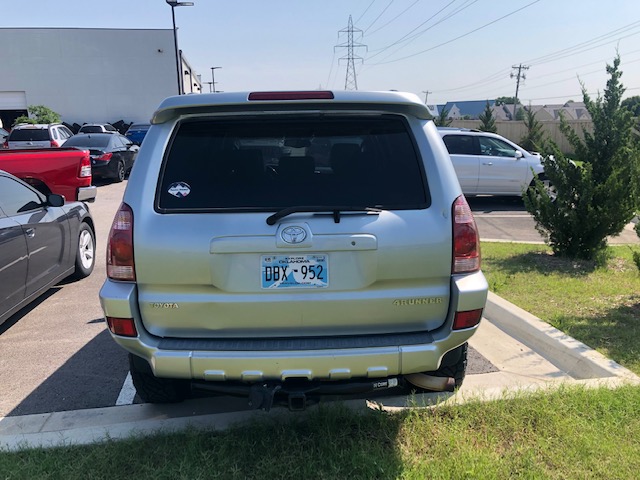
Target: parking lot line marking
pixel 127 393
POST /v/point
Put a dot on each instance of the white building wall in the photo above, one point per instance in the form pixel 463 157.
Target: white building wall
pixel 89 75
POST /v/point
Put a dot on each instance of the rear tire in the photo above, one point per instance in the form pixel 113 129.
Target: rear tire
pixel 85 252
pixel 454 365
pixel 120 172
pixel 152 389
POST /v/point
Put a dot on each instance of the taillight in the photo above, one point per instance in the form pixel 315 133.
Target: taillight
pixel 85 167
pixel 466 241
pixel 120 264
pixel 5 144
pixel 54 144
pixel 105 157
pixel 467 319
pixel 124 327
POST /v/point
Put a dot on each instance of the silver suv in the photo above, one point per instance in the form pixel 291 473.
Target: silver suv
pixel 286 245
pixel 39 135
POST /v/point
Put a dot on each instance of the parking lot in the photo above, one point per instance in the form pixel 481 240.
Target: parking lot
pixel 57 354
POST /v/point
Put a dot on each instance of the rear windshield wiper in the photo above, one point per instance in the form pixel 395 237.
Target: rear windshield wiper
pixel 271 220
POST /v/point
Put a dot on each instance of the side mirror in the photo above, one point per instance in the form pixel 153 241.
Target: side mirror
pixel 55 200
pixel 519 154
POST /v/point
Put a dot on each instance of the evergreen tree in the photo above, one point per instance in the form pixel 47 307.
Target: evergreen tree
pixel 487 121
pixel 443 120
pixel 595 200
pixel 534 138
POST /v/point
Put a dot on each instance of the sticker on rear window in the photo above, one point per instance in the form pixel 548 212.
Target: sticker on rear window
pixel 179 189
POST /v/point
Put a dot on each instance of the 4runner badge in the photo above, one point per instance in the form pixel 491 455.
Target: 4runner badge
pixel 417 301
pixel 179 189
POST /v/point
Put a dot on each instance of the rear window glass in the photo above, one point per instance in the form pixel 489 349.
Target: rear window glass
pixel 269 164
pixel 92 129
pixel 88 141
pixel 29 134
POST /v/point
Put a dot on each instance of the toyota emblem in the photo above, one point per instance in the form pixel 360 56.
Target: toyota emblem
pixel 293 235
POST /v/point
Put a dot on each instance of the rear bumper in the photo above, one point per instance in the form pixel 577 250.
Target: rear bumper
pixel 197 359
pixel 87 194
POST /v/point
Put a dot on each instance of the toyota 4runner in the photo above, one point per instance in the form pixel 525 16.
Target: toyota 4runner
pixel 287 245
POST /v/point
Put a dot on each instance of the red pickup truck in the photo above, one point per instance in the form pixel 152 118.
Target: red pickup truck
pixel 65 171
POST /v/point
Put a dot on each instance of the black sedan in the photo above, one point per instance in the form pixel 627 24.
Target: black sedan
pixel 42 241
pixel 112 154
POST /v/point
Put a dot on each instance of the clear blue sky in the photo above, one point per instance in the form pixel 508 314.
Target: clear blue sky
pixel 455 49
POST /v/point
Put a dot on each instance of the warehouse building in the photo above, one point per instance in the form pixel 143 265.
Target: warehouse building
pixel 90 75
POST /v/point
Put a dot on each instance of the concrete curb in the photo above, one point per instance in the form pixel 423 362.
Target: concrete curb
pixel 568 354
pixel 579 364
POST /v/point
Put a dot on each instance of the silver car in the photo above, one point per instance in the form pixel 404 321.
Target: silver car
pixel 287 245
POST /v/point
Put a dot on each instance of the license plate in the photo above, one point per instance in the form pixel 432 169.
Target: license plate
pixel 295 271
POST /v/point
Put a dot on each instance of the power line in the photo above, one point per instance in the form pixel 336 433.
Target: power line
pixel 460 36
pixel 394 18
pixel 350 81
pixel 365 11
pixel 381 13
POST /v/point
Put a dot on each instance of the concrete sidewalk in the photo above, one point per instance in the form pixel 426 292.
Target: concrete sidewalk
pixel 527 353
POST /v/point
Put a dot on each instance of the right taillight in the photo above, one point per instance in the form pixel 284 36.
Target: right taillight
pixel 466 241
pixel 120 265
pixel 85 166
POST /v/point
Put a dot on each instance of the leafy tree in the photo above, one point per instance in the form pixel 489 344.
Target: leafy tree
pixel 597 199
pixel 443 120
pixel 487 121
pixel 38 114
pixel 632 104
pixel 506 101
pixel 534 138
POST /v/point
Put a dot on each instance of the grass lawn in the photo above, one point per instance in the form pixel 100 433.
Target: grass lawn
pixel 569 433
pixel 600 306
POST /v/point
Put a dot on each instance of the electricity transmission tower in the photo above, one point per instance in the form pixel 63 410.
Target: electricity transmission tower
pixel 520 75
pixel 350 81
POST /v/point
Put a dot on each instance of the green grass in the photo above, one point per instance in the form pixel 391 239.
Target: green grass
pixel 596 304
pixel 571 433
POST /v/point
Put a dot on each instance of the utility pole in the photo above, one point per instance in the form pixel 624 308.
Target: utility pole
pixel 426 95
pixel 519 75
pixel 213 79
pixel 209 83
pixel 350 81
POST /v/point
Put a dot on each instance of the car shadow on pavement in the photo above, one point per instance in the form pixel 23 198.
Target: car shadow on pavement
pixel 16 317
pixel 488 204
pixel 91 378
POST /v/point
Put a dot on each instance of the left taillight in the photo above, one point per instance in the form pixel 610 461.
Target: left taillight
pixel 466 239
pixel 120 263
pixel 54 144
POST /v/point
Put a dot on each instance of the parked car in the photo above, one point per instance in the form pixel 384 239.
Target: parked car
pixel 65 171
pixel 241 262
pixel 97 128
pixel 27 135
pixel 136 132
pixel 112 154
pixel 42 241
pixel 489 164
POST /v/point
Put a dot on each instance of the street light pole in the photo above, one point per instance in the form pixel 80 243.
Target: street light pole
pixel 173 4
pixel 213 80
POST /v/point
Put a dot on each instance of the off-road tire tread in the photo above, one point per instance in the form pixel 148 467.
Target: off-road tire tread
pixel 152 389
